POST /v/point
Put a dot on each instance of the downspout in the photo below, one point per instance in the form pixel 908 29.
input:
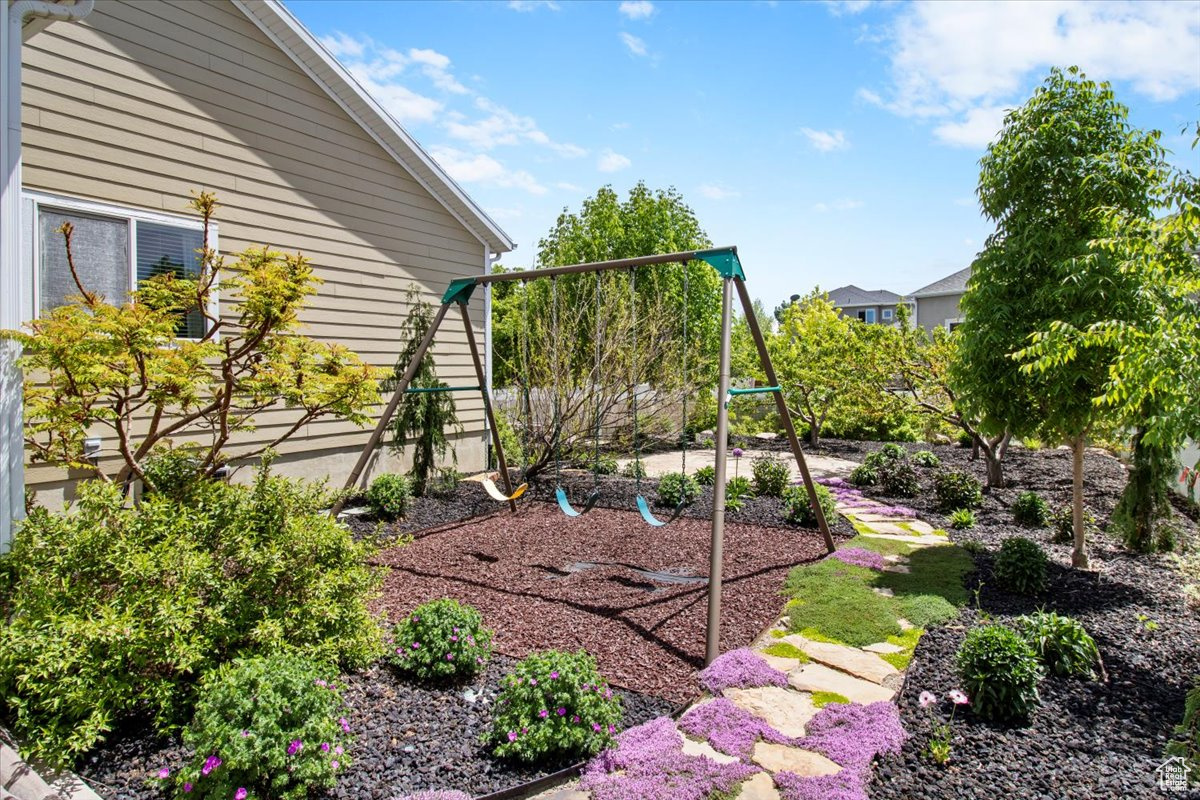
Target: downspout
pixel 488 260
pixel 13 16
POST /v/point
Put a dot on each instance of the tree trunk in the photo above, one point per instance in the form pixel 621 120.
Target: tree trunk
pixel 1144 502
pixel 993 453
pixel 1079 557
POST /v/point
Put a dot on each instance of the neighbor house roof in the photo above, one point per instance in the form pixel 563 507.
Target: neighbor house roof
pixel 955 283
pixel 311 56
pixel 852 296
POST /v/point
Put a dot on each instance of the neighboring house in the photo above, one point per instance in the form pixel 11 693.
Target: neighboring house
pixel 877 306
pixel 129 110
pixel 937 303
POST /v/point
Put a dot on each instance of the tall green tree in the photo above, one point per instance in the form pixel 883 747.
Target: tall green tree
pixel 1058 162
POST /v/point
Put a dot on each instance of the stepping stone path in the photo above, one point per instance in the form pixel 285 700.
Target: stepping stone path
pixel 858 674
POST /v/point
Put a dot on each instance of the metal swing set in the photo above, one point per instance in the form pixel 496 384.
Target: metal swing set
pixel 725 261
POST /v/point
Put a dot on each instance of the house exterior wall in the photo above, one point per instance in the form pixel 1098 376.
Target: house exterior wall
pixel 145 102
pixel 852 312
pixel 935 312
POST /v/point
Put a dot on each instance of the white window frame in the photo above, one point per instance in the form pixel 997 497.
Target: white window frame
pixel 950 322
pixel 887 315
pixel 132 216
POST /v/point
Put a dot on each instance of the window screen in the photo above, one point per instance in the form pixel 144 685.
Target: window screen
pixel 163 249
pixel 100 249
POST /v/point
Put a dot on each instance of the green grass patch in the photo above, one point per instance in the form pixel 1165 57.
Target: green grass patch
pixel 814 635
pixel 778 634
pixel 851 613
pixel 786 650
pixel 822 699
pixel 924 610
pixel 941 532
pixel 885 547
pixel 898 660
pixel 907 639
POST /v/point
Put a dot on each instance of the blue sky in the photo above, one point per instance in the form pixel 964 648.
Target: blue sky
pixel 832 142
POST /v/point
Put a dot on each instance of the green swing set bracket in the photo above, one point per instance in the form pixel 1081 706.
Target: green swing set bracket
pixel 725 261
pixel 755 390
pixel 459 291
pixel 436 389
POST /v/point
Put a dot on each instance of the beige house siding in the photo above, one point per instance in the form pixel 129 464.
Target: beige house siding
pixel 143 103
pixel 935 312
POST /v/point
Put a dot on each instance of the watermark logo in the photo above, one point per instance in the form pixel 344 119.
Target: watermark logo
pixel 1172 774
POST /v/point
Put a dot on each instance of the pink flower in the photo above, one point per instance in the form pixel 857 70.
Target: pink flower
pixel 334 763
pixel 543 713
pixel 245 734
pixel 449 656
pixel 324 747
pixel 240 794
pixel 533 681
pixel 512 736
pixel 416 645
pixel 210 763
pixel 553 675
pixel 957 697
pixel 927 699
pixel 454 638
pixel 187 787
pixel 165 772
pixel 294 747
pixel 574 718
pixel 345 725
pixel 456 630
pixel 338 750
pixel 562 712
pixel 596 727
pixel 416 618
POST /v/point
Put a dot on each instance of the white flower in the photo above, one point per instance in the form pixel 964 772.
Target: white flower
pixel 927 699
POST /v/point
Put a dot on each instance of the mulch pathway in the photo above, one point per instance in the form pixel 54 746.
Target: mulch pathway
pixel 647 634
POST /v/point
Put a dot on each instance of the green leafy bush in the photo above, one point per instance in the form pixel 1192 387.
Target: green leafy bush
pixel 999 673
pixel 675 488
pixel 864 475
pixel 445 482
pixel 1062 644
pixel 1186 740
pixel 605 465
pixel 267 724
pixel 798 511
pixel 737 489
pixel 112 610
pixel 634 469
pixel 554 704
pixel 962 519
pixel 173 472
pixel 955 489
pixel 389 495
pixel 898 479
pixel 1030 510
pixel 441 639
pixel 705 476
pixel 771 476
pixel 1021 566
pixel 1062 524
pixel 926 458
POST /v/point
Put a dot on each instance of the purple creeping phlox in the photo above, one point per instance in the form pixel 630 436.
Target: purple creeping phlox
pixel 845 785
pixel 741 669
pixel 437 794
pixel 860 557
pixel 728 728
pixel 648 763
pixel 850 735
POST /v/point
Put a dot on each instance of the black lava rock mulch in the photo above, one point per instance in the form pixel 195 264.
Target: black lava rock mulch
pixel 409 738
pixel 1087 739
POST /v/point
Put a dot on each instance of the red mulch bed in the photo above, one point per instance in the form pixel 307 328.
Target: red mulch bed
pixel 646 635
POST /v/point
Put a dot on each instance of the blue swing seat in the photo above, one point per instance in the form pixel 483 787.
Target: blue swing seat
pixel 565 505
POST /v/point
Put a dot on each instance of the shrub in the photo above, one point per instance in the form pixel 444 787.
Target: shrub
pixel 112 610
pixel 676 489
pixel 554 704
pixel 1030 510
pixel 798 510
pixel 955 489
pixel 1186 740
pixel 634 469
pixel 926 458
pixel 1021 566
pixel 389 495
pixel 1062 524
pixel 173 472
pixel 899 479
pixel 962 519
pixel 965 439
pixel 705 476
pixel 864 475
pixel 441 639
pixel 999 672
pixel 269 724
pixel 605 465
pixel 737 488
pixel 771 476
pixel 445 482
pixel 1062 644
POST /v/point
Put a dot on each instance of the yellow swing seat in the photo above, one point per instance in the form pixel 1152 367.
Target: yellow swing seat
pixel 496 494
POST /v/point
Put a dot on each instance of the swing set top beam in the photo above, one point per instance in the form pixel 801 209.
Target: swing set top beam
pixel 723 259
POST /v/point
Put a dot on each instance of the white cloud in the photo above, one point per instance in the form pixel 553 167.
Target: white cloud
pixel 619 126
pixel 840 7
pixel 826 141
pixel 503 127
pixel 636 9
pixel 568 187
pixel 845 204
pixel 955 63
pixel 975 129
pixel 342 46
pixel 482 168
pixel 716 192
pixel 635 45
pixel 437 67
pixel 612 162
pixel 532 5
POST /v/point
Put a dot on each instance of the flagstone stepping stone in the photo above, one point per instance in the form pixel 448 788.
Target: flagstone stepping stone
pixel 921 527
pixel 694 748
pixel 784 710
pixel 895 568
pixel 883 590
pixel 884 647
pixel 780 757
pixel 867 666
pixel 886 527
pixel 760 787
pixel 904 624
pixel 820 678
pixel 909 539
pixel 892 518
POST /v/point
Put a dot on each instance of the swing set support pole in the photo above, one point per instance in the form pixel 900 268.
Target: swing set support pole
pixel 717 547
pixel 501 461
pixel 785 417
pixel 377 434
